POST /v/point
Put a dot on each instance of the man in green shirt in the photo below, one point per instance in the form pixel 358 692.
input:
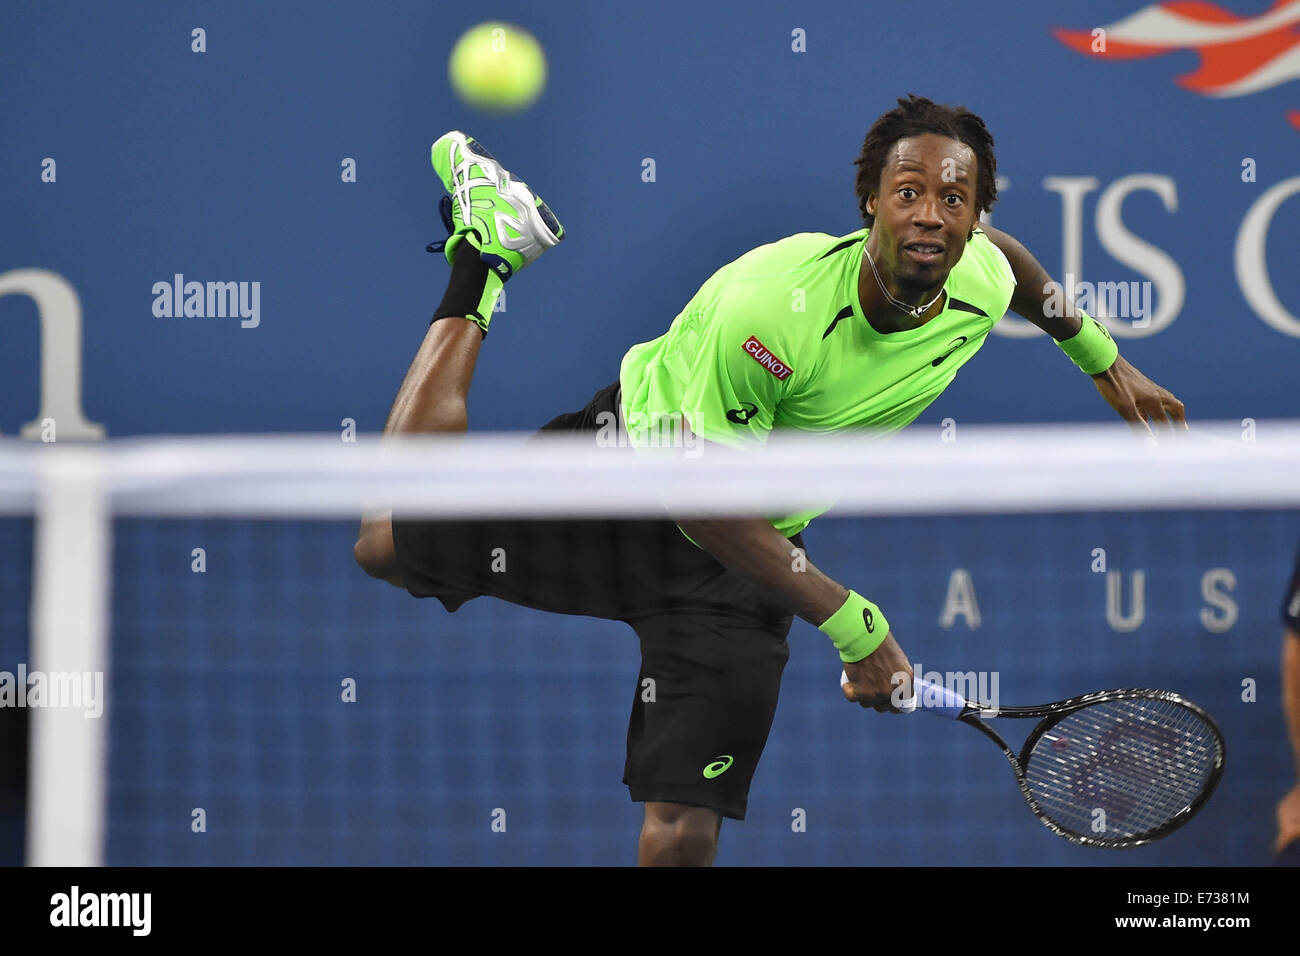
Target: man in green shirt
pixel 815 333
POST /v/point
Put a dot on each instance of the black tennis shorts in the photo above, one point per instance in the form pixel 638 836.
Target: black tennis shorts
pixel 712 648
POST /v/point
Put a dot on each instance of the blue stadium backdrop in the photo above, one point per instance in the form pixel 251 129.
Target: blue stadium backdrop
pixel 284 147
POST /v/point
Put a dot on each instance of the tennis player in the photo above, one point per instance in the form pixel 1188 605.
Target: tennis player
pixel 890 313
pixel 1286 848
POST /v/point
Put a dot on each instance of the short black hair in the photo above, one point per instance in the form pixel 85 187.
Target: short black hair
pixel 915 116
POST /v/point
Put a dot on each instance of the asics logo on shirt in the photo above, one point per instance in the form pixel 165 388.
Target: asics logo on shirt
pixel 742 415
pixel 953 346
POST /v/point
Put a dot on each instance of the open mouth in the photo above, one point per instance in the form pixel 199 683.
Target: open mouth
pixel 924 252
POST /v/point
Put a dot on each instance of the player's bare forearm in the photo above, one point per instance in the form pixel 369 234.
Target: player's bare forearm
pixel 753 549
pixel 757 552
pixel 1288 810
pixel 1036 297
pixel 1043 302
pixel 1291 691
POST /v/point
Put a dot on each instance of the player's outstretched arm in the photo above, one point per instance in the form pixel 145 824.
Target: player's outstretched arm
pixel 753 549
pixel 1041 300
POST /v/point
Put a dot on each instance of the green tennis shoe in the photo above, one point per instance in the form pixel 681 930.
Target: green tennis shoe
pixel 499 215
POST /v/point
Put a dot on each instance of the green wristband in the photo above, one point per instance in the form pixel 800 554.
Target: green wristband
pixel 1091 348
pixel 857 628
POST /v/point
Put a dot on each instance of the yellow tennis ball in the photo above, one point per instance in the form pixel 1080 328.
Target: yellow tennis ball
pixel 498 67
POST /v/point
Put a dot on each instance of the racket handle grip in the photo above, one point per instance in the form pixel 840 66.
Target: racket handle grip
pixel 930 697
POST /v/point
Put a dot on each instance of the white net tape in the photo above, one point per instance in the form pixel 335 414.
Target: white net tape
pixel 987 470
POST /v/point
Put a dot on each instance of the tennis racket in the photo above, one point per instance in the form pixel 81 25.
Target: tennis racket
pixel 1115 768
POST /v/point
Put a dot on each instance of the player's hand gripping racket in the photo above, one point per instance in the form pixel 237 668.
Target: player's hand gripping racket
pixel 1146 759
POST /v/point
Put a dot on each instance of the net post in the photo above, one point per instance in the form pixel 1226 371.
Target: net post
pixel 67 790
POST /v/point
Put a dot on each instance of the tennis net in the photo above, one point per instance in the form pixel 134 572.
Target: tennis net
pixel 264 702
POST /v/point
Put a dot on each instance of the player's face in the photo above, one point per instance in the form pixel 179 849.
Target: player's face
pixel 924 209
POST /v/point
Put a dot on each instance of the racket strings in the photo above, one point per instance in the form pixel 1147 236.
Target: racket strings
pixel 1122 768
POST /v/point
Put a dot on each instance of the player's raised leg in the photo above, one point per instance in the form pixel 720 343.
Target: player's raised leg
pixel 496 226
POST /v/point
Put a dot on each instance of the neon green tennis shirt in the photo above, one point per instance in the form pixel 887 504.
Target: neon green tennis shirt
pixel 777 339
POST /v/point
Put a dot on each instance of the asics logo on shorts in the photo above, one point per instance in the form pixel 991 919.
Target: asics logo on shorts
pixel 718 767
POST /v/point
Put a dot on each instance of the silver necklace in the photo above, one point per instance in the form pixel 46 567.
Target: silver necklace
pixel 916 312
